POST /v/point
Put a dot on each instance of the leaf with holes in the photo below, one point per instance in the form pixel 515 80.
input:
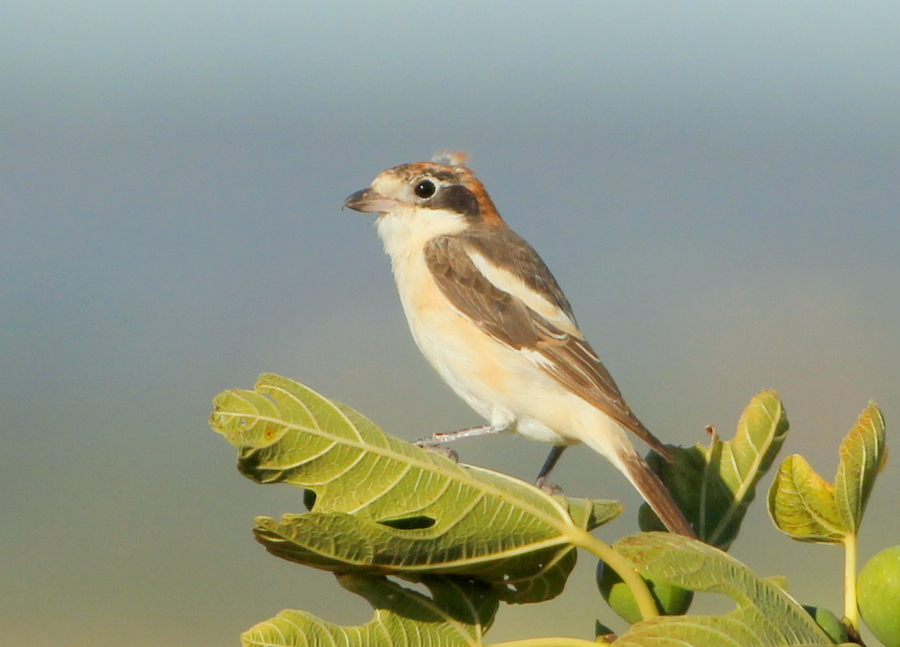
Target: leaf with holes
pixel 385 506
pixel 764 616
pixel 456 614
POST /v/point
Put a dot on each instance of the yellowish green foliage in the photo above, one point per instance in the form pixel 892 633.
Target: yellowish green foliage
pixel 808 508
pixel 384 506
pixel 455 614
pixel 765 615
pixel 715 484
pixel 381 509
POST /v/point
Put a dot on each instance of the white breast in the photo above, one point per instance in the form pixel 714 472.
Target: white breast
pixel 502 384
pixel 443 335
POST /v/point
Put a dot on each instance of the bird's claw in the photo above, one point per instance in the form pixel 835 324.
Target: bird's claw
pixel 441 451
pixel 550 488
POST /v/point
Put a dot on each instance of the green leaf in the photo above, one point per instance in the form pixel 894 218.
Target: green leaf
pixel 862 457
pixel 802 505
pixel 715 485
pixel 808 508
pixel 385 506
pixel 457 613
pixel 765 615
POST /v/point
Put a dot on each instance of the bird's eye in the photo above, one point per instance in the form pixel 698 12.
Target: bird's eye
pixel 425 189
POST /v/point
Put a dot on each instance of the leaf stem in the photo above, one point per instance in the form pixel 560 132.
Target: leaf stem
pixel 851 611
pixel 547 642
pixel 640 590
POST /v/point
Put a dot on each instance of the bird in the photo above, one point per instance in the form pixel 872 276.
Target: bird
pixel 491 319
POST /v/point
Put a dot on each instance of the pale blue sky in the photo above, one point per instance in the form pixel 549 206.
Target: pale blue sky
pixel 714 185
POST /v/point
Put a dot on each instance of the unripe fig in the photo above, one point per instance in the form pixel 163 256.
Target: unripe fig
pixel 878 595
pixel 828 622
pixel 670 600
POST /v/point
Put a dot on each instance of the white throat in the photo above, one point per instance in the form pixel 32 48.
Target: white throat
pixel 408 229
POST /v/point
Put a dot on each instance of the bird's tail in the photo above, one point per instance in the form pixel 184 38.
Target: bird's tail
pixel 655 493
pixel 621 453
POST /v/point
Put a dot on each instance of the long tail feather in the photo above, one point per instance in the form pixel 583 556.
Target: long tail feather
pixel 656 494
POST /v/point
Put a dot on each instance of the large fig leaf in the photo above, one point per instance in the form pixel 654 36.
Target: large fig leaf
pixel 385 506
pixel 715 485
pixel 765 615
pixel 455 615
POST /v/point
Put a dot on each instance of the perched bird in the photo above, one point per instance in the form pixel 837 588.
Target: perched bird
pixel 490 318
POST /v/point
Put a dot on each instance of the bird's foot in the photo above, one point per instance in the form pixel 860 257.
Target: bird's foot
pixel 441 451
pixel 550 488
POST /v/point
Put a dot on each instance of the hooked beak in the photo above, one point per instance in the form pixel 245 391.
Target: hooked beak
pixel 369 201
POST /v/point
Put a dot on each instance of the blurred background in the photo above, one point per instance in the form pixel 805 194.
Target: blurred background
pixel 715 185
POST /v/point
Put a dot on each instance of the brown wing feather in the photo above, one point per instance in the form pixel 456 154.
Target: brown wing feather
pixel 501 315
pixel 571 360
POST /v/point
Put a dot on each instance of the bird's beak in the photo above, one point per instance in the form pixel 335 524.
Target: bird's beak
pixel 369 201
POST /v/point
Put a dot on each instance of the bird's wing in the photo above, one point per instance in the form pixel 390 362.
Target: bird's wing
pixel 502 285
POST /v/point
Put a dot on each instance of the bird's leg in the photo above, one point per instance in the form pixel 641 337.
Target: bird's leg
pixel 549 464
pixel 450 436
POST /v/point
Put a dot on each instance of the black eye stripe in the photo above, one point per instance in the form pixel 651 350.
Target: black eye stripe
pixel 457 198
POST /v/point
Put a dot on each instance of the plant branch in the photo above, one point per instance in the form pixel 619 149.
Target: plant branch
pixel 620 565
pixel 851 610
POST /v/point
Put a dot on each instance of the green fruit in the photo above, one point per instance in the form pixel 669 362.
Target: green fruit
pixel 878 595
pixel 671 600
pixel 828 622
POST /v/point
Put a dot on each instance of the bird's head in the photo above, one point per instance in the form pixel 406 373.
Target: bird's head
pixel 443 196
